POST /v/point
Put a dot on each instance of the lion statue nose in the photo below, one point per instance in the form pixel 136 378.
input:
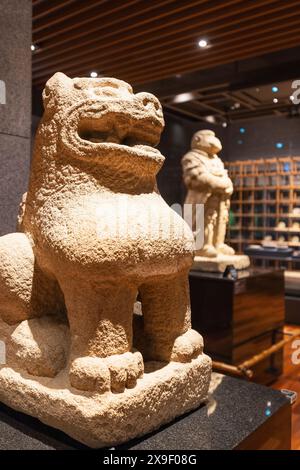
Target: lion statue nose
pixel 150 101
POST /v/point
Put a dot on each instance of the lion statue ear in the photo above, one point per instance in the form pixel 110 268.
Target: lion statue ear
pixel 55 89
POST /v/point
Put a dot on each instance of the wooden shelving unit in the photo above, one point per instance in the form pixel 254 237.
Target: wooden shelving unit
pixel 266 191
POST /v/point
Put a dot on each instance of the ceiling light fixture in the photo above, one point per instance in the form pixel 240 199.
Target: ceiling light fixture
pixel 183 97
pixel 210 118
pixel 292 98
pixel 94 74
pixel 275 100
pixel 202 43
pixel 275 89
pixel 33 47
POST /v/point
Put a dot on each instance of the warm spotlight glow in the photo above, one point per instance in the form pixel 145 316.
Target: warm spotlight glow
pixel 275 100
pixel 202 43
pixel 183 97
pixel 94 74
pixel 210 118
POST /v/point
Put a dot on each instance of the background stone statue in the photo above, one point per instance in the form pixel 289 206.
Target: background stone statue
pixel 208 183
pixel 95 233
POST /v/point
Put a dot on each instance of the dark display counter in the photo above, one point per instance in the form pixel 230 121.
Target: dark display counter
pixel 240 318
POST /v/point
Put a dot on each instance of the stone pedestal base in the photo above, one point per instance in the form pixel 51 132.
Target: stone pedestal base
pixel 219 263
pixel 164 392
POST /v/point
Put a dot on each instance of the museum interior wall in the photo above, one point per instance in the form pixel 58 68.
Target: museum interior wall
pixel 267 137
pixel 15 61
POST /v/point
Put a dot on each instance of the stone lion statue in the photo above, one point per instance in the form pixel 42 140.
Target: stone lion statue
pixel 92 239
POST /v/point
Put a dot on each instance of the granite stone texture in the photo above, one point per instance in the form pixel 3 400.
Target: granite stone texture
pixel 234 411
pixel 15 66
pixel 14 171
pixel 92 376
pixel 15 107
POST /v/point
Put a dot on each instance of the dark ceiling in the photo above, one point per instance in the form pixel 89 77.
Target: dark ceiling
pixel 153 44
pixel 219 105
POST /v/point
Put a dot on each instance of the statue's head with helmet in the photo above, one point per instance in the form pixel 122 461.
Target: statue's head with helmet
pixel 206 141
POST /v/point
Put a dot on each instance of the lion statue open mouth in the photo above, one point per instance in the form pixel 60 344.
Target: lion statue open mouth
pixel 95 234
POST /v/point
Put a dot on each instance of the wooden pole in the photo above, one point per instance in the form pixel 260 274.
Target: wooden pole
pixel 244 369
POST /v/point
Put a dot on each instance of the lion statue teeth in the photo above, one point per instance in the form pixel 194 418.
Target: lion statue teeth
pixel 94 234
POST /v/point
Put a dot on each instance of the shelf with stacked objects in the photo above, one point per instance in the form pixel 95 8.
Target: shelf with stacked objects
pixel 265 210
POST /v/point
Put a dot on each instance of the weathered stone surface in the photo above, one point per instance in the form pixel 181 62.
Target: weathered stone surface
pixel 95 233
pixel 41 346
pixel 107 419
pixel 208 183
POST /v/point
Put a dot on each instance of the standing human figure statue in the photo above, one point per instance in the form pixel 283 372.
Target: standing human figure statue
pixel 208 183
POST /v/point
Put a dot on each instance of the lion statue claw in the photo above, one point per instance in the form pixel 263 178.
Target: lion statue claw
pixel 95 232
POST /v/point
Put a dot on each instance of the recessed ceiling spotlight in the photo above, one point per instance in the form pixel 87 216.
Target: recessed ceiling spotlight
pixel 224 124
pixel 235 106
pixel 202 43
pixel 94 74
pixel 274 89
pixel 33 47
pixel 183 97
pixel 210 118
pixel 242 130
pixel 279 145
pixel 292 98
pixel 275 100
